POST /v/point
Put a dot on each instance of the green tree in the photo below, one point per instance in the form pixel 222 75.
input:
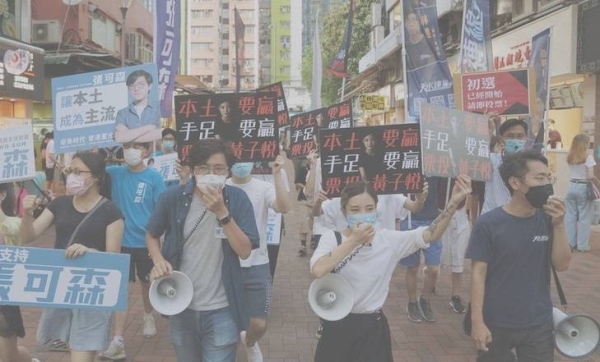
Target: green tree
pixel 331 32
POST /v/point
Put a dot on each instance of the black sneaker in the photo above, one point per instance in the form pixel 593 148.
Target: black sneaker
pixel 319 330
pixel 425 309
pixel 302 251
pixel 414 314
pixel 457 305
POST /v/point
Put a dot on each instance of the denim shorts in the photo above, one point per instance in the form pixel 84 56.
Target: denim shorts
pixel 82 329
pixel 258 289
pixel 432 254
pixel 204 335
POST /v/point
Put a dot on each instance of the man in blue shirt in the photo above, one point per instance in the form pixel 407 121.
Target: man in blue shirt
pixel 511 248
pixel 139 121
pixel 135 190
pixel 208 226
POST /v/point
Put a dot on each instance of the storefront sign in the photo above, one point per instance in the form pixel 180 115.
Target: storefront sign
pixel 504 92
pixel 16 150
pixel 21 71
pixel 372 103
pixel 36 277
pixel 588 33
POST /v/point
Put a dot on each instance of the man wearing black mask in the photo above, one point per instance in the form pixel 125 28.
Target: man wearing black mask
pixel 510 251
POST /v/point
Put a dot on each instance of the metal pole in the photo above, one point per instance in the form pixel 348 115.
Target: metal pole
pixel 124 15
pixel 343 90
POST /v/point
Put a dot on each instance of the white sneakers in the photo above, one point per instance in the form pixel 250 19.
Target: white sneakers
pixel 115 352
pixel 253 354
pixel 149 326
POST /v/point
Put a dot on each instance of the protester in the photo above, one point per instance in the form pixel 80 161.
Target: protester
pixel 255 269
pixel 510 249
pixel 554 137
pixel 50 161
pixel 114 156
pixel 306 213
pixel 578 220
pixel 135 189
pixel 204 239
pixel 86 331
pixel 367 259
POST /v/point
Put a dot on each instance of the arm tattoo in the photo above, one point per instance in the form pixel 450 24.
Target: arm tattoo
pixel 448 211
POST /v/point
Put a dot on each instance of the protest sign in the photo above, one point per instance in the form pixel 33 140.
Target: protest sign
pixel 454 142
pixel 166 165
pixel 305 127
pixel 37 277
pixel 283 118
pixel 508 92
pixel 16 149
pixel 387 156
pixel 101 109
pixel 245 120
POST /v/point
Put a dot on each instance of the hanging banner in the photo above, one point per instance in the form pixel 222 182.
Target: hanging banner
pixel 428 76
pixel 476 44
pixel 509 92
pixel 305 126
pixel 248 121
pixel 539 63
pixel 455 142
pixel 101 109
pixel 37 277
pixel 339 64
pixel 389 157
pixel 17 159
pixel 167 37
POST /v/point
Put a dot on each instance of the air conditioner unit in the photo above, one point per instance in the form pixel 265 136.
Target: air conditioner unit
pixel 46 31
pixel 375 14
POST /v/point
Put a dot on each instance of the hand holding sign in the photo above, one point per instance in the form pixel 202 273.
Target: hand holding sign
pixel 461 189
pixel 277 165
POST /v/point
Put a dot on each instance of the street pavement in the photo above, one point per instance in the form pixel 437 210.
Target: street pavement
pixel 292 324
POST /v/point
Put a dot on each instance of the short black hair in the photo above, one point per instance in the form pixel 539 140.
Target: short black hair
pixel 133 76
pixel 96 162
pixel 510 123
pixel 8 205
pixel 516 165
pixel 354 189
pixel 204 149
pixel 169 131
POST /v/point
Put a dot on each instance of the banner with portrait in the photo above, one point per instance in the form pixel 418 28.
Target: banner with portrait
pixel 17 158
pixel 246 121
pixel 389 157
pixel 540 64
pixel 455 142
pixel 476 42
pixel 101 109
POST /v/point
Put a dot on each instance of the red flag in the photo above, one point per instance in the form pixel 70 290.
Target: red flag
pixel 339 64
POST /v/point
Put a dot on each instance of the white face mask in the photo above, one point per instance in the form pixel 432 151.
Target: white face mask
pixel 214 181
pixel 133 157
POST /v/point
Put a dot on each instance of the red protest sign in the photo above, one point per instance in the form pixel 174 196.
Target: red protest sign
pixel 509 92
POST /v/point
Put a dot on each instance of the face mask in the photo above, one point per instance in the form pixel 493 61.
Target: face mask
pixel 369 218
pixel 168 145
pixel 242 169
pixel 214 181
pixel 76 185
pixel 133 157
pixel 538 195
pixel 513 145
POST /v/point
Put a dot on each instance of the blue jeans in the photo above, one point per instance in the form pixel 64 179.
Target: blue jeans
pixel 433 254
pixel 209 336
pixel 579 208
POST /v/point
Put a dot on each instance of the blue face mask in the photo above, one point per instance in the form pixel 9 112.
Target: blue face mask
pixel 242 169
pixel 512 145
pixel 369 218
pixel 168 145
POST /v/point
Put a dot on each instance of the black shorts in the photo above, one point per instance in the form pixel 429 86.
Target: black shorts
pixel 50 174
pixel 11 322
pixel 140 264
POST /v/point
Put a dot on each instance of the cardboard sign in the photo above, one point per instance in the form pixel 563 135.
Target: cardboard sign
pixel 509 92
pixel 387 156
pixel 455 142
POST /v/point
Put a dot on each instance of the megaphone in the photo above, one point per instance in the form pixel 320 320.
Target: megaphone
pixel 171 294
pixel 331 297
pixel 575 336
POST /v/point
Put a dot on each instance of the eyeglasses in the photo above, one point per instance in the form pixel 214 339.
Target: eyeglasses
pixel 206 169
pixel 140 85
pixel 69 171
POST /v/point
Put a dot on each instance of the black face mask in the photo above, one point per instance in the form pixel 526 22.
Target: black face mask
pixel 538 195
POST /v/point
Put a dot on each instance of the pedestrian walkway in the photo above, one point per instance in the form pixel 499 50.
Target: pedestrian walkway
pixel 292 325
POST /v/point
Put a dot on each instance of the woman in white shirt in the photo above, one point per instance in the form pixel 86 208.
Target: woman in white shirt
pixel 579 207
pixel 366 259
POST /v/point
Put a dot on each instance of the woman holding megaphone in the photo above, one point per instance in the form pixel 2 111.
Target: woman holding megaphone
pixel 366 259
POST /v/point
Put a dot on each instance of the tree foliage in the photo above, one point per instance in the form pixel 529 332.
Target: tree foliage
pixel 331 32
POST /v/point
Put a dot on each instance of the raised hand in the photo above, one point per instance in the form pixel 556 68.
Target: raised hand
pixel 462 188
pixel 555 208
pixel 278 165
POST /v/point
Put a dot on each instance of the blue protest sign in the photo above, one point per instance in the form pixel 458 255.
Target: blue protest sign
pixel 37 277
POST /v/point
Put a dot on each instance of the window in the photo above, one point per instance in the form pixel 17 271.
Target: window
pixel 225 67
pixel 202 14
pixel 284 9
pixel 250 29
pixel 103 31
pixel 201 30
pixel 148 4
pixel 246 14
pixel 200 47
pixel 202 62
pixel 285 41
pixel 207 78
pixel 284 54
pixel 285 24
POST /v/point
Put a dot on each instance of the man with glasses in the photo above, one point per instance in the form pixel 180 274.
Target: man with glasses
pixel 207 227
pixel 135 190
pixel 511 248
pixel 140 120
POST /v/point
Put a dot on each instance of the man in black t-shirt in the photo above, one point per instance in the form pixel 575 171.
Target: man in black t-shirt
pixel 418 50
pixel 510 253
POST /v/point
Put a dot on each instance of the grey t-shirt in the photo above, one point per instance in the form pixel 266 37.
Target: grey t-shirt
pixel 203 258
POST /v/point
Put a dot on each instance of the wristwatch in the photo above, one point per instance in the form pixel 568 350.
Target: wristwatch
pixel 225 220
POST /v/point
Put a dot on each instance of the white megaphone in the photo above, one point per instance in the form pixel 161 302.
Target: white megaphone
pixel 171 294
pixel 331 297
pixel 575 336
